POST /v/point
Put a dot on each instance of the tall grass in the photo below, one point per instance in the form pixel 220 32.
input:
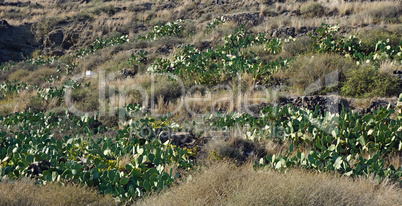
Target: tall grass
pixel 225 184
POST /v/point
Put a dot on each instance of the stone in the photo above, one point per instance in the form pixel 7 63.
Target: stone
pixel 179 138
pixel 4 24
pixel 54 39
pixel 37 168
pixel 69 40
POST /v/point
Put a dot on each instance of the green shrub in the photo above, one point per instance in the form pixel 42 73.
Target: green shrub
pixel 369 82
pixel 224 63
pixel 36 104
pixel 86 100
pixel 312 10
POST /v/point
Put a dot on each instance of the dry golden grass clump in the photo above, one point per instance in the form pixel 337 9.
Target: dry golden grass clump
pixel 307 73
pixel 25 192
pixel 312 10
pixel 225 184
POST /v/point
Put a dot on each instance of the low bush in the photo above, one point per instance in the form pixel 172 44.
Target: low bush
pixel 369 82
pixel 386 13
pixel 86 100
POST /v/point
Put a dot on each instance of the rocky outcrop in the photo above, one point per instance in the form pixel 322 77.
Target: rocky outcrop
pixel 16 42
pixel 57 41
pixel 285 32
pixel 398 74
pixel 247 19
pixel 181 139
pixel 330 103
pixel 37 168
pixel 54 39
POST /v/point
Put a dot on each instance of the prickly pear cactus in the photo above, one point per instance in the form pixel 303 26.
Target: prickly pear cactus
pixel 399 101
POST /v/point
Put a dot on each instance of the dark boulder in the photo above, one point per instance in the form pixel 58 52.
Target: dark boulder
pixel 181 139
pixel 37 168
pixel 54 39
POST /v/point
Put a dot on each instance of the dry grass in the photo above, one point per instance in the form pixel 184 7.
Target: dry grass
pixel 388 67
pixel 6 107
pixel 312 10
pixel 36 77
pixel 25 192
pixel 395 160
pixel 198 104
pixel 307 74
pixel 184 9
pixel 333 12
pixel 237 148
pixel 217 34
pixel 18 75
pixel 366 102
pixel 16 103
pixel 225 184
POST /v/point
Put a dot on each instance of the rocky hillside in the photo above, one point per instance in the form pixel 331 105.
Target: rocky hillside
pixel 155 102
pixel 59 27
